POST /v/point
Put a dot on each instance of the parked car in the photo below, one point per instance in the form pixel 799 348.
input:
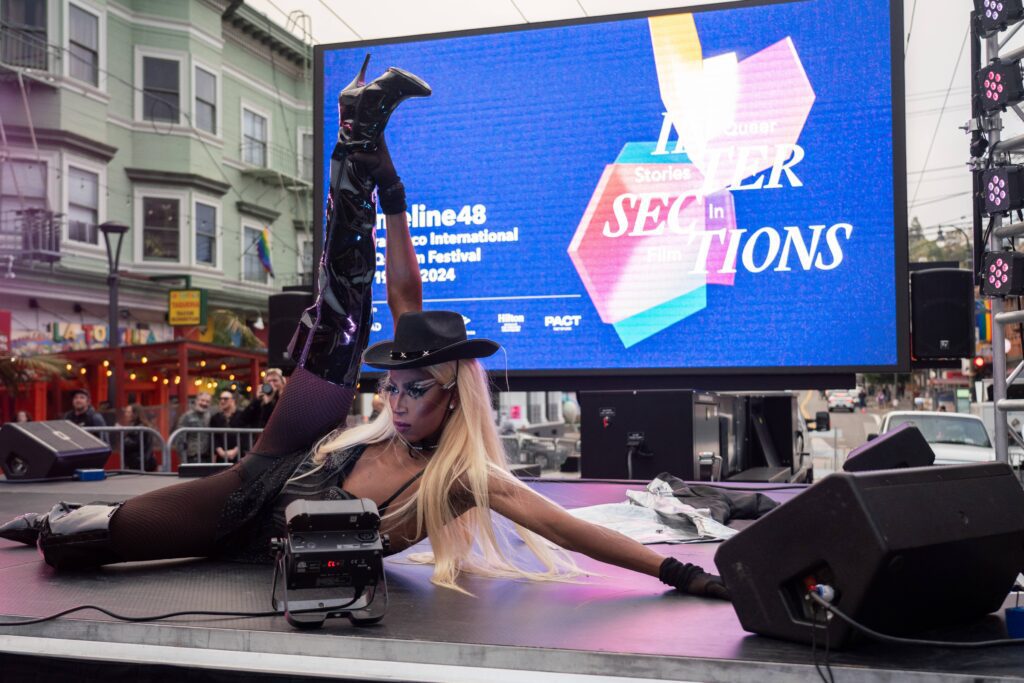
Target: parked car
pixel 840 399
pixel 956 438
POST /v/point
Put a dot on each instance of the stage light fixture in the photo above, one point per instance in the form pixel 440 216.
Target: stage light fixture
pixel 995 15
pixel 1003 273
pixel 1003 188
pixel 1000 85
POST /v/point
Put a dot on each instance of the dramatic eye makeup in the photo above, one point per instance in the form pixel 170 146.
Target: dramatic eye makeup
pixel 413 390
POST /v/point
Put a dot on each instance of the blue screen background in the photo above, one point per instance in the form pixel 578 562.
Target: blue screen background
pixel 525 122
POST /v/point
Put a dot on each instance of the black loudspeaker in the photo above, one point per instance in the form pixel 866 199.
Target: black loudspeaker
pixel 284 312
pixel 904 446
pixel 904 550
pixel 55 448
pixel 942 313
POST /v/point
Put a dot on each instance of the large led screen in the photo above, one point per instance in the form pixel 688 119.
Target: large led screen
pixel 712 189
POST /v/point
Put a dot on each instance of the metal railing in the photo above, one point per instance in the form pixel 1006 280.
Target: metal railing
pixel 179 440
pixel 24 47
pixel 158 443
pixel 31 234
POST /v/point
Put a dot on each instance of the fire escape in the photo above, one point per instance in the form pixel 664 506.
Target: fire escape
pixel 30 231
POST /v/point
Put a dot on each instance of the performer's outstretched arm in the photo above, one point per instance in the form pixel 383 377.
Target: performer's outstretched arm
pixel 405 288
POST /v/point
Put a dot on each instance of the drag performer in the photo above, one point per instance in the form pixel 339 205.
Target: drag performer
pixel 431 461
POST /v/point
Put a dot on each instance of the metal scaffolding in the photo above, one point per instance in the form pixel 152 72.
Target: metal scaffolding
pixel 988 126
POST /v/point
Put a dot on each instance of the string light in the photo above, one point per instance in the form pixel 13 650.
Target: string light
pixel 145 360
pixel 106 363
pixel 177 379
pixel 202 363
pixel 110 373
pixel 155 378
pixel 223 366
pixel 198 382
pixel 248 387
pixel 263 373
pixel 131 376
pixel 69 367
pixel 234 387
pixel 82 371
pixel 231 377
pixel 166 381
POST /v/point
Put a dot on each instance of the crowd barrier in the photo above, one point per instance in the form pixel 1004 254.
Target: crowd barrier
pixel 178 440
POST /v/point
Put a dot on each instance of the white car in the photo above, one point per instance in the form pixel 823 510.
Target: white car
pixel 956 438
pixel 841 400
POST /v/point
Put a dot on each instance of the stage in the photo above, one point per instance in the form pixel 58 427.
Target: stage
pixel 616 626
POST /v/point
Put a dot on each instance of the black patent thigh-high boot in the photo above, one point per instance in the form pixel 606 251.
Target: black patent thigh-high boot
pixel 25 528
pixel 78 538
pixel 364 109
pixel 69 536
pixel 333 332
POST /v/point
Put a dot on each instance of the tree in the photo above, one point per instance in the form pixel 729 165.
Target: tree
pixel 953 246
pixel 16 371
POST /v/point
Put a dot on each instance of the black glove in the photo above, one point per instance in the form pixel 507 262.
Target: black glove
pixel 692 579
pixel 378 163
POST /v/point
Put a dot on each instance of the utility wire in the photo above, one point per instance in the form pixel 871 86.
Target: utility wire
pixel 525 20
pixel 938 123
pixel 936 200
pixel 338 17
pixel 910 29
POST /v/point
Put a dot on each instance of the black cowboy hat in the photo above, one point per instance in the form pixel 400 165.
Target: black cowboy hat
pixel 427 338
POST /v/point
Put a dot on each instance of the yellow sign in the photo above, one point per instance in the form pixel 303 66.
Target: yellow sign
pixel 186 307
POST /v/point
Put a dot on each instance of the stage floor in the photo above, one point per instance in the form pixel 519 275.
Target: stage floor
pixel 615 625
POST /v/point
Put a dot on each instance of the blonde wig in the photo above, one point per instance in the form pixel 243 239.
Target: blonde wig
pixel 456 478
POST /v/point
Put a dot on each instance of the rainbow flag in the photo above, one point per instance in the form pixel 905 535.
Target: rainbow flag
pixel 263 247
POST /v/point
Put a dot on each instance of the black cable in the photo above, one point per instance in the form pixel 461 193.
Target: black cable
pixel 136 619
pixel 158 617
pixel 814 645
pixel 885 638
pixel 828 666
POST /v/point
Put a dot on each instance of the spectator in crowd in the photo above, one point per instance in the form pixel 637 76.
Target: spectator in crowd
pixel 377 405
pixel 196 447
pixel 82 413
pixel 226 446
pixel 259 410
pixel 137 443
pixel 23 416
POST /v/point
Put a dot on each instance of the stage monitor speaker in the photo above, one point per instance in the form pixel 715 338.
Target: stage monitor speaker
pixel 942 313
pixel 284 312
pixel 904 446
pixel 904 550
pixel 55 448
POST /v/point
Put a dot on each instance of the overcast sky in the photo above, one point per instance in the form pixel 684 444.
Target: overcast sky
pixel 937 63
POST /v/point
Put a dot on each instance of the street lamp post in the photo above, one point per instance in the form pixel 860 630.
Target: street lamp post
pixel 115 231
pixel 940 238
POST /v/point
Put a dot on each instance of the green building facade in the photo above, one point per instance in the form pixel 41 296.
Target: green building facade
pixel 190 122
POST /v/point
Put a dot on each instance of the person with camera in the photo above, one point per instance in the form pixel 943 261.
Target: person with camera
pixel 261 407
